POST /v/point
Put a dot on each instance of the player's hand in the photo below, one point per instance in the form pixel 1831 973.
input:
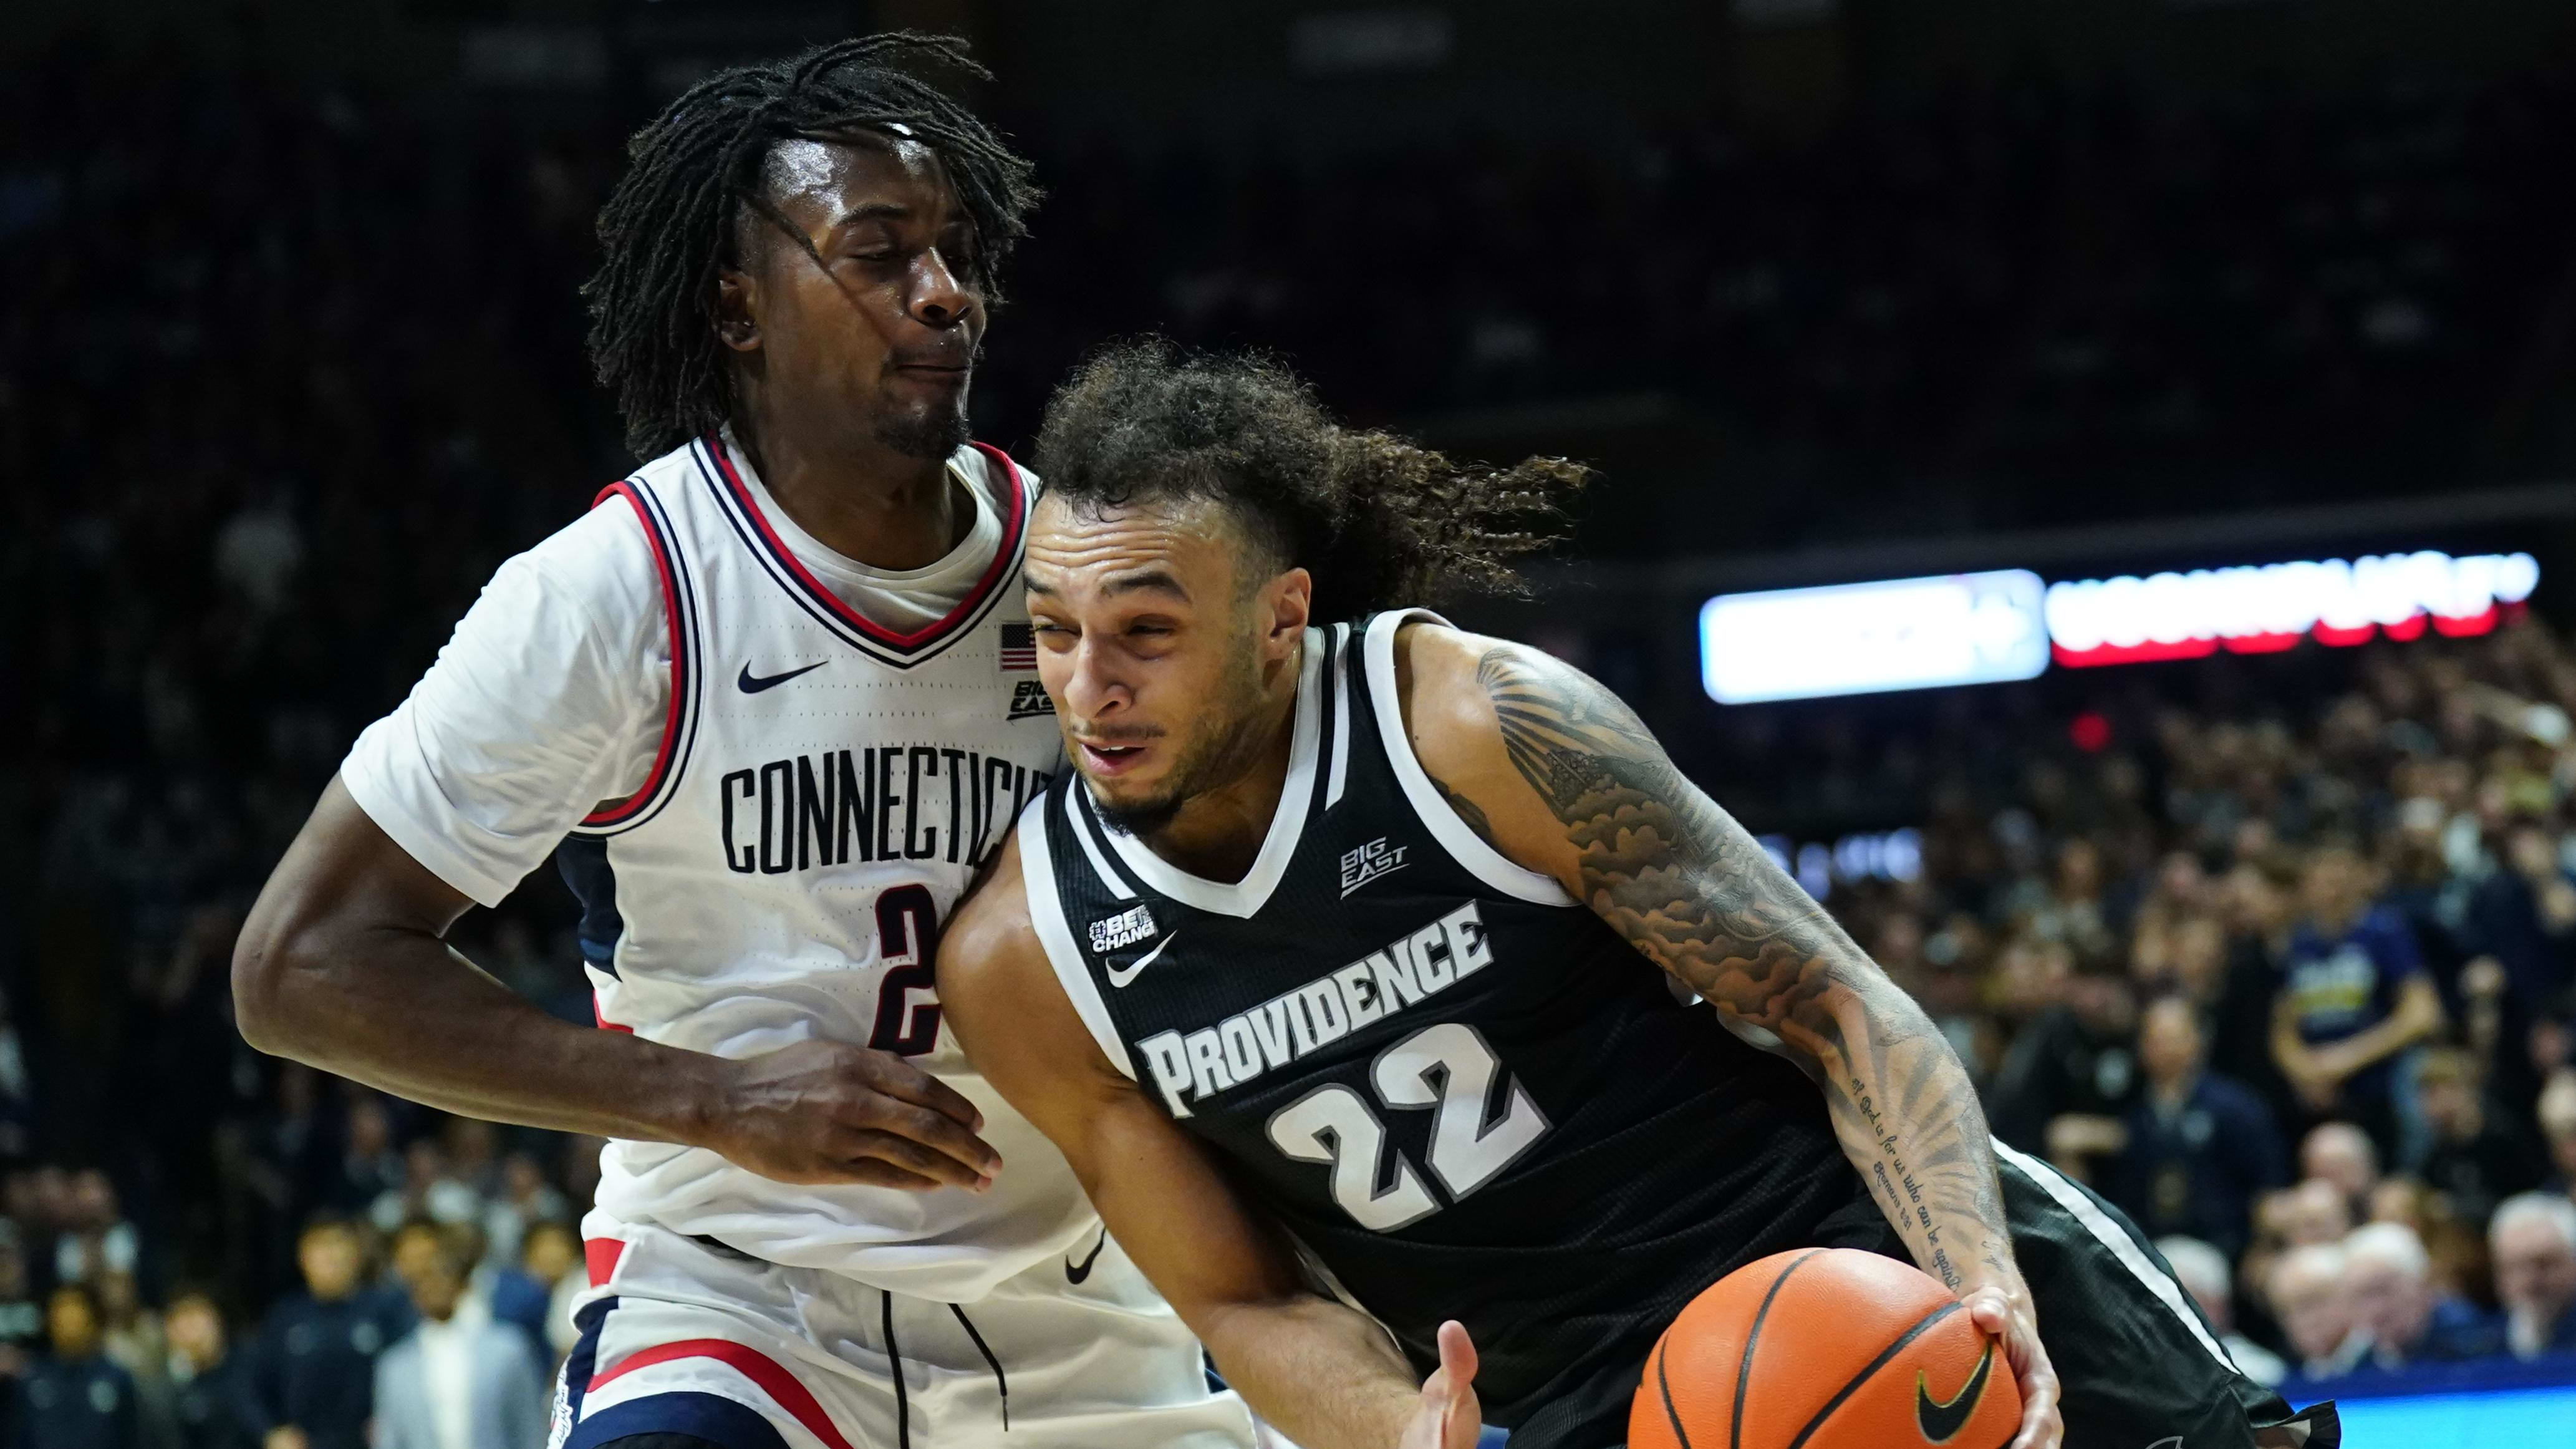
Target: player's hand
pixel 827 1112
pixel 2007 1315
pixel 1449 1417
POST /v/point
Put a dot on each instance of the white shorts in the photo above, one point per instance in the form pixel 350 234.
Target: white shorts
pixel 680 1335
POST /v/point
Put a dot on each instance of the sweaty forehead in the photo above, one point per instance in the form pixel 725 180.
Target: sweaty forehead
pixel 816 182
pixel 1086 548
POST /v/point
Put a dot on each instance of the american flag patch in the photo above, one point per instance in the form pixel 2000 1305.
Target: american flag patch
pixel 1019 646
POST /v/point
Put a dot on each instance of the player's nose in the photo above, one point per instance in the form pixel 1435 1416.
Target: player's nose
pixel 1093 688
pixel 941 296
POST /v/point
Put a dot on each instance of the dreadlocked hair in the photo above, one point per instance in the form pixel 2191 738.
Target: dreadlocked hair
pixel 670 226
pixel 1378 521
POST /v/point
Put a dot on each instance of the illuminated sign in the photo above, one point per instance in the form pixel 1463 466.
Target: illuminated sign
pixel 1987 628
pixel 1861 638
pixel 2259 610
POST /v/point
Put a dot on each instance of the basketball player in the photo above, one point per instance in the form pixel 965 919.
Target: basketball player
pixel 1339 932
pixel 775 698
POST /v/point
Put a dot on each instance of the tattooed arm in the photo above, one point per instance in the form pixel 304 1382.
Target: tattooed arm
pixel 1564 779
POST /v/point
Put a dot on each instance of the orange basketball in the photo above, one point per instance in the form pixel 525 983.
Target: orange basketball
pixel 1825 1348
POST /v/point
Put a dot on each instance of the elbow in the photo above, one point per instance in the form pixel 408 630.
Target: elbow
pixel 273 961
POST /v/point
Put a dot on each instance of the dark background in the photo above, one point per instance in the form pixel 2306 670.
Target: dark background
pixel 290 360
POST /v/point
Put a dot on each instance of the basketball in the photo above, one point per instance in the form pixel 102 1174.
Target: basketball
pixel 1825 1348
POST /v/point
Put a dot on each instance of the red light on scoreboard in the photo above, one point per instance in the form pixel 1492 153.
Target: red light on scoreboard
pixel 2259 610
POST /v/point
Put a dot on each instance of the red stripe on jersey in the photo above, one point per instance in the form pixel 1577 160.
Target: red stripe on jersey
pixel 600 1255
pixel 613 814
pixel 600 1018
pixel 928 633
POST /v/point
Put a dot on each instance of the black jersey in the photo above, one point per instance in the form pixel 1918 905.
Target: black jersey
pixel 1462 1092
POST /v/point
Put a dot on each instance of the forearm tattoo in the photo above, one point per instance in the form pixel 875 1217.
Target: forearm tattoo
pixel 1688 887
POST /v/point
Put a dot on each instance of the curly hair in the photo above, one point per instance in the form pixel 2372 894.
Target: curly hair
pixel 671 225
pixel 1378 521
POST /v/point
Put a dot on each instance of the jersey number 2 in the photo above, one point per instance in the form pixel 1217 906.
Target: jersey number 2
pixel 1446 1067
pixel 907 995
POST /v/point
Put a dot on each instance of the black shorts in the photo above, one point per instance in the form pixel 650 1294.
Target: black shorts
pixel 2137 1366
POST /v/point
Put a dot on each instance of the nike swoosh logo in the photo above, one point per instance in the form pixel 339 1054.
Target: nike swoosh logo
pixel 1076 1272
pixel 1940 1421
pixel 754 683
pixel 1121 978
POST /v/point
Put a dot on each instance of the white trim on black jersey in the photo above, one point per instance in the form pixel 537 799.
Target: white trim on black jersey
pixel 1085 834
pixel 1340 774
pixel 1244 899
pixel 1055 935
pixel 1464 845
pixel 2158 1283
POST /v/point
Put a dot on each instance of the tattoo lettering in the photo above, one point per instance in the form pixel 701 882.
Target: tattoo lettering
pixel 1693 892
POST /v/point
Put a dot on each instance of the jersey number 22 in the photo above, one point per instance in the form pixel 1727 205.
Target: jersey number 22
pixel 1446 1067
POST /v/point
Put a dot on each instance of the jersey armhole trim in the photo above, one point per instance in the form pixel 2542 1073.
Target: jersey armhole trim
pixel 1055 937
pixel 676 713
pixel 1464 845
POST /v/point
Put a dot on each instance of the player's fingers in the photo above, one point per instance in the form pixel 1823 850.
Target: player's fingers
pixel 1457 1355
pixel 2041 1426
pixel 915 1158
pixel 877 1172
pixel 903 1081
pixel 938 1133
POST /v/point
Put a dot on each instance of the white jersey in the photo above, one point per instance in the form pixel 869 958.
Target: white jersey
pixel 817 790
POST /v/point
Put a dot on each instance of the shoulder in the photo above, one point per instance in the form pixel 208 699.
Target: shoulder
pixel 604 560
pixel 994 913
pixel 1443 685
pixel 990 958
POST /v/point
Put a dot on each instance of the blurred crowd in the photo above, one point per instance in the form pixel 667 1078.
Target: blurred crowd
pixel 286 370
pixel 2292 981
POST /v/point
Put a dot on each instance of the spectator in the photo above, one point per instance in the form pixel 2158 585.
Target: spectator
pixel 307 1386
pixel 2072 1072
pixel 2557 1112
pixel 460 1379
pixel 2389 1278
pixel 2354 994
pixel 2533 1245
pixel 524 1199
pixel 133 1340
pixel 526 1293
pixel 2340 1154
pixel 75 1398
pixel 204 1400
pixel 2202 1271
pixel 368 1167
pixel 2524 915
pixel 2477 1159
pixel 2199 1147
pixel 2313 1211
pixel 2307 1294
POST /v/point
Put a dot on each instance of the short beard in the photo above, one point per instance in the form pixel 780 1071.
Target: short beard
pixel 931 437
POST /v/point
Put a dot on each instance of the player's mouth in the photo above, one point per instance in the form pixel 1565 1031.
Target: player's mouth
pixel 1110 759
pixel 935 375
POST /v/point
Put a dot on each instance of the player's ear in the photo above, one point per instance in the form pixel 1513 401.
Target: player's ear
pixel 736 293
pixel 1288 601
